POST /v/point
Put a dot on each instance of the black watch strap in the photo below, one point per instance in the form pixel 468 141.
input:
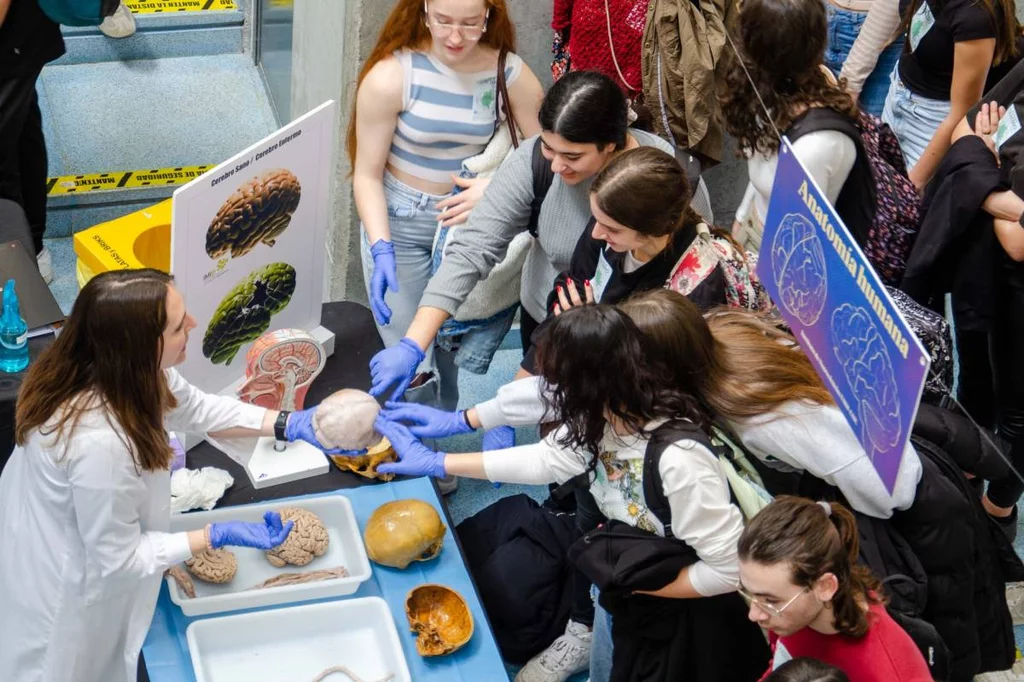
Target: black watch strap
pixel 280 423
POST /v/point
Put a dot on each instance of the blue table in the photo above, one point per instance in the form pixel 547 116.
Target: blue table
pixel 166 651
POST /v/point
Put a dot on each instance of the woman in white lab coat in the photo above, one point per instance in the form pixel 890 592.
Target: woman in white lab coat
pixel 85 497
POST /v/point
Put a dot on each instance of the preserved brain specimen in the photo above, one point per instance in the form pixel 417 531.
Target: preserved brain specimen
pixel 258 211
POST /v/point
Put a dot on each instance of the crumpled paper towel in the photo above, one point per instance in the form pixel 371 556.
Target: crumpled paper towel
pixel 198 488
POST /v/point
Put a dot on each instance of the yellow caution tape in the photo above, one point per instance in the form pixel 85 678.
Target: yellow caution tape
pixel 93 182
pixel 157 6
pixel 281 4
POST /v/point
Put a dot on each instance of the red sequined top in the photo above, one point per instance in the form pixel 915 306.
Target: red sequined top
pixel 588 37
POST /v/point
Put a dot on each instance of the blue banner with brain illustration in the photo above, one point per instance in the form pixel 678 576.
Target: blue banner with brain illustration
pixel 839 311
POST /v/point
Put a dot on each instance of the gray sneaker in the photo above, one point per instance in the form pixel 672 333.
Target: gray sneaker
pixel 1015 601
pixel 567 655
pixel 448 484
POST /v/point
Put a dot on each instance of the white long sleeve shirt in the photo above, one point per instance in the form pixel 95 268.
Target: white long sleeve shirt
pixel 703 515
pixel 802 436
pixel 85 541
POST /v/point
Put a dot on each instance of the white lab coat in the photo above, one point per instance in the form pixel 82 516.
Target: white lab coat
pixel 84 542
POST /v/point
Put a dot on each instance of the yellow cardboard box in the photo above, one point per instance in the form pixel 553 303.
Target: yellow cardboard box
pixel 137 240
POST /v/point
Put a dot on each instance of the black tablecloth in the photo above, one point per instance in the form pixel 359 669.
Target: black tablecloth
pixel 9 385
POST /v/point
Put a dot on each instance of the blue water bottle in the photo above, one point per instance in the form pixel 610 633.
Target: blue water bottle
pixel 13 333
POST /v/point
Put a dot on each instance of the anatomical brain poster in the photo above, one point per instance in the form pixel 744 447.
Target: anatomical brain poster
pixel 248 246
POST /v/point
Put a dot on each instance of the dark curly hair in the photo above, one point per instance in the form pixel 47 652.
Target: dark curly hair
pixel 600 364
pixel 782 44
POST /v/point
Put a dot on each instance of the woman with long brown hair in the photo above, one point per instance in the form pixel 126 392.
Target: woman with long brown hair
pixel 776 80
pixel 85 497
pixel 800 574
pixel 428 98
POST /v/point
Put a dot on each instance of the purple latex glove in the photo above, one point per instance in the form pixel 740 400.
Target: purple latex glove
pixel 414 458
pixel 396 365
pixel 300 427
pixel 266 535
pixel 427 422
pixel 499 438
pixel 385 276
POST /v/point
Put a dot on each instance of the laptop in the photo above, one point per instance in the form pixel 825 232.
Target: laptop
pixel 38 306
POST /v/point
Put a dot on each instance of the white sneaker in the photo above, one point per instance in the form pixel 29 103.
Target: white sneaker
pixel 45 264
pixel 120 24
pixel 567 655
pixel 1015 602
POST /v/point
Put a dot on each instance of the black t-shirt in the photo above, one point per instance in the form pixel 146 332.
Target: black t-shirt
pixel 1009 93
pixel 28 39
pixel 928 69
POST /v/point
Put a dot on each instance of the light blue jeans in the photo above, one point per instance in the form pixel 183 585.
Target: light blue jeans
pixel 913 118
pixel 601 644
pixel 413 220
pixel 843 28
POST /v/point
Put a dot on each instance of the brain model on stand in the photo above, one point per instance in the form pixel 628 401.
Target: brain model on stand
pixel 245 312
pixel 798 261
pixel 279 369
pixel 366 465
pixel 213 566
pixel 401 532
pixel 258 211
pixel 868 369
pixel 308 539
pixel 344 420
pixel 440 618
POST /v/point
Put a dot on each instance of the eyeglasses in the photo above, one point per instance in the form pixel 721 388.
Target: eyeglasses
pixel 443 30
pixel 768 608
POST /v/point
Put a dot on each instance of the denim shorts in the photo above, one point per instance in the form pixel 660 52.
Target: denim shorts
pixel 843 28
pixel 913 118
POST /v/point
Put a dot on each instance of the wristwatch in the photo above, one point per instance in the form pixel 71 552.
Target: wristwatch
pixel 279 425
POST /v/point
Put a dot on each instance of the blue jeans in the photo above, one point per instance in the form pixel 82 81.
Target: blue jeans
pixel 843 28
pixel 913 118
pixel 412 220
pixel 601 644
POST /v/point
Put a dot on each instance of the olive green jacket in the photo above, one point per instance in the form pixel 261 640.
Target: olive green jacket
pixel 684 42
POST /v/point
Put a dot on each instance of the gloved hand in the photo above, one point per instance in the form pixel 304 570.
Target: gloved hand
pixel 427 422
pixel 414 458
pixel 266 535
pixel 395 365
pixel 385 276
pixel 300 427
pixel 499 438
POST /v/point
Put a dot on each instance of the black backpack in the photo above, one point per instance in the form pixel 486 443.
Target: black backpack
pixel 543 176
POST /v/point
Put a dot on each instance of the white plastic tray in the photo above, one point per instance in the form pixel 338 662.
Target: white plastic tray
pixel 345 549
pixel 298 643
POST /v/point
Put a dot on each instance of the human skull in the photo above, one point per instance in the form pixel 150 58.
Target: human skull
pixel 213 566
pixel 344 420
pixel 440 618
pixel 366 465
pixel 308 539
pixel 403 531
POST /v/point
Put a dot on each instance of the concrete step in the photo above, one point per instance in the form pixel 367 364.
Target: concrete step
pixel 143 115
pixel 159 35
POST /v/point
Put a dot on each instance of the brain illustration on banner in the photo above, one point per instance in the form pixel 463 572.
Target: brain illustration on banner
pixel 799 267
pixel 865 360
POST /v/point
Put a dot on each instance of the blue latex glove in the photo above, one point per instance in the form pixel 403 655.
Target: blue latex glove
pixel 414 458
pixel 385 276
pixel 427 422
pixel 266 535
pixel 396 365
pixel 499 438
pixel 300 427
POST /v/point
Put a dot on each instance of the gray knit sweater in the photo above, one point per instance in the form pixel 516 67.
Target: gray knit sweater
pixel 504 211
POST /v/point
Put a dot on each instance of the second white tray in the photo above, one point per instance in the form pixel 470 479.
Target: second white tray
pixel 345 549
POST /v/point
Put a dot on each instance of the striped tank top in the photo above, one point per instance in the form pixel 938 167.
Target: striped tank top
pixel 447 116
